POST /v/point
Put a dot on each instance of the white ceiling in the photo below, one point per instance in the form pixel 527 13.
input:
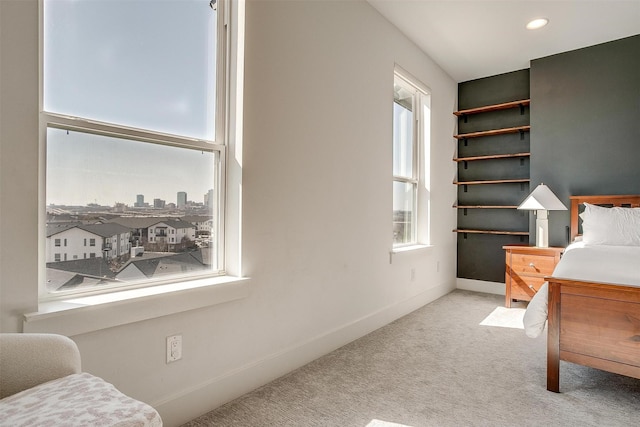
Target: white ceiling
pixel 471 39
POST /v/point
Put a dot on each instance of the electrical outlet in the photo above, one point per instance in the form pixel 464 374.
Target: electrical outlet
pixel 174 348
pixel 413 274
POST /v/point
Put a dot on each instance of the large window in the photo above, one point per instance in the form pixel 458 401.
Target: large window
pixel 133 101
pixel 411 120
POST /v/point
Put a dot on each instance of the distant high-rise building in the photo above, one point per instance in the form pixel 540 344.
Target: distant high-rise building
pixel 139 201
pixel 209 199
pixel 182 199
pixel 158 203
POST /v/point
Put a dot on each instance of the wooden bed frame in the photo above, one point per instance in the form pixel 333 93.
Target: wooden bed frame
pixel 593 324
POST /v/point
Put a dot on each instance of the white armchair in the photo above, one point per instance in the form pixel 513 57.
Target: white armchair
pixel 41 383
pixel 27 360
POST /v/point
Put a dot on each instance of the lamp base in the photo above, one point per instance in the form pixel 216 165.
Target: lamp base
pixel 542 229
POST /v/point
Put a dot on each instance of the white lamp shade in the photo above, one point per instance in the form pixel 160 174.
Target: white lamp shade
pixel 542 199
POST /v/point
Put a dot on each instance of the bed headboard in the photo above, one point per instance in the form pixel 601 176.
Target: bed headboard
pixel 632 201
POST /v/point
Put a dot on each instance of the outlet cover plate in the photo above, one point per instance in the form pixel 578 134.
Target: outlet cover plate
pixel 174 348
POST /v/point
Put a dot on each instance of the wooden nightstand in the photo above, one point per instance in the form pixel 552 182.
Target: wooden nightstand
pixel 526 268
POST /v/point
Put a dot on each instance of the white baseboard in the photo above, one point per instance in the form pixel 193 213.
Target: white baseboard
pixel 480 286
pixel 187 404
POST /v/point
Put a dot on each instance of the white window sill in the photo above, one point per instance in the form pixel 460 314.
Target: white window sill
pixel 79 315
pixel 411 248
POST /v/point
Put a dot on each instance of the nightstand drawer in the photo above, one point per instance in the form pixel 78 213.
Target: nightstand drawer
pixel 532 264
pixel 525 270
pixel 525 287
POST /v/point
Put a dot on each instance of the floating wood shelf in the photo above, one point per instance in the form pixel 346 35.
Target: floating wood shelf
pixel 510 233
pixel 504 106
pixel 492 132
pixel 497 181
pixel 495 156
pixel 484 207
pixel 462 163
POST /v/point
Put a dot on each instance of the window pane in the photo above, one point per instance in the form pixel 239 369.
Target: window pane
pixel 402 133
pixel 139 63
pixel 98 188
pixel 404 197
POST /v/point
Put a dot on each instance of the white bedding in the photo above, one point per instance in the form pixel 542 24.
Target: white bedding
pixel 593 263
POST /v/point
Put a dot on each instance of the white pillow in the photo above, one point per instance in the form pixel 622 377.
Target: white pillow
pixel 610 226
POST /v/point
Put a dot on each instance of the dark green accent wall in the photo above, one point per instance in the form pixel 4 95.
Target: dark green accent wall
pixel 585 139
pixel 585 125
pixel 480 256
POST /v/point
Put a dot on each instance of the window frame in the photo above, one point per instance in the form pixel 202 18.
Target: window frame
pixel 421 146
pixel 219 145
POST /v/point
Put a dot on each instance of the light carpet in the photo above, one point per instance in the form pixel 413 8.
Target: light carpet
pixel 437 366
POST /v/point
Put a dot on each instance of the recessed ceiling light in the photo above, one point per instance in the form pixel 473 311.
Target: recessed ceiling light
pixel 537 23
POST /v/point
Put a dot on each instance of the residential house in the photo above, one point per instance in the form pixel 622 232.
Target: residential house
pixel 308 197
pixel 203 223
pixel 139 226
pixel 67 242
pixel 170 235
pixel 159 234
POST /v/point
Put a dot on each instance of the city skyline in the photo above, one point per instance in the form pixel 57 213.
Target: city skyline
pixel 87 169
pixel 141 198
pixel 148 201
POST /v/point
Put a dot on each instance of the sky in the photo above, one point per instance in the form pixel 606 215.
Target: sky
pixel 84 168
pixel 139 63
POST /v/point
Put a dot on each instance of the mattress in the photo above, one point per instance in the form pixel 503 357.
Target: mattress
pixel 592 263
pixel 600 263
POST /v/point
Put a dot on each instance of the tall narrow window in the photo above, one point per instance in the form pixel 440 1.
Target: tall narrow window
pixel 133 99
pixel 411 116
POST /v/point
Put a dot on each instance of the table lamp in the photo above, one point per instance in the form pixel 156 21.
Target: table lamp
pixel 542 200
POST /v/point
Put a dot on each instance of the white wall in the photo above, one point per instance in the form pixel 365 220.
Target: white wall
pixel 18 161
pixel 316 191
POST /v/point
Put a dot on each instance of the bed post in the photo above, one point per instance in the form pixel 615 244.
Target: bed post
pixel 553 338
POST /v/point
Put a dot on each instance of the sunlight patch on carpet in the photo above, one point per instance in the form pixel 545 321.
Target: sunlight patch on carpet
pixel 380 423
pixel 505 318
